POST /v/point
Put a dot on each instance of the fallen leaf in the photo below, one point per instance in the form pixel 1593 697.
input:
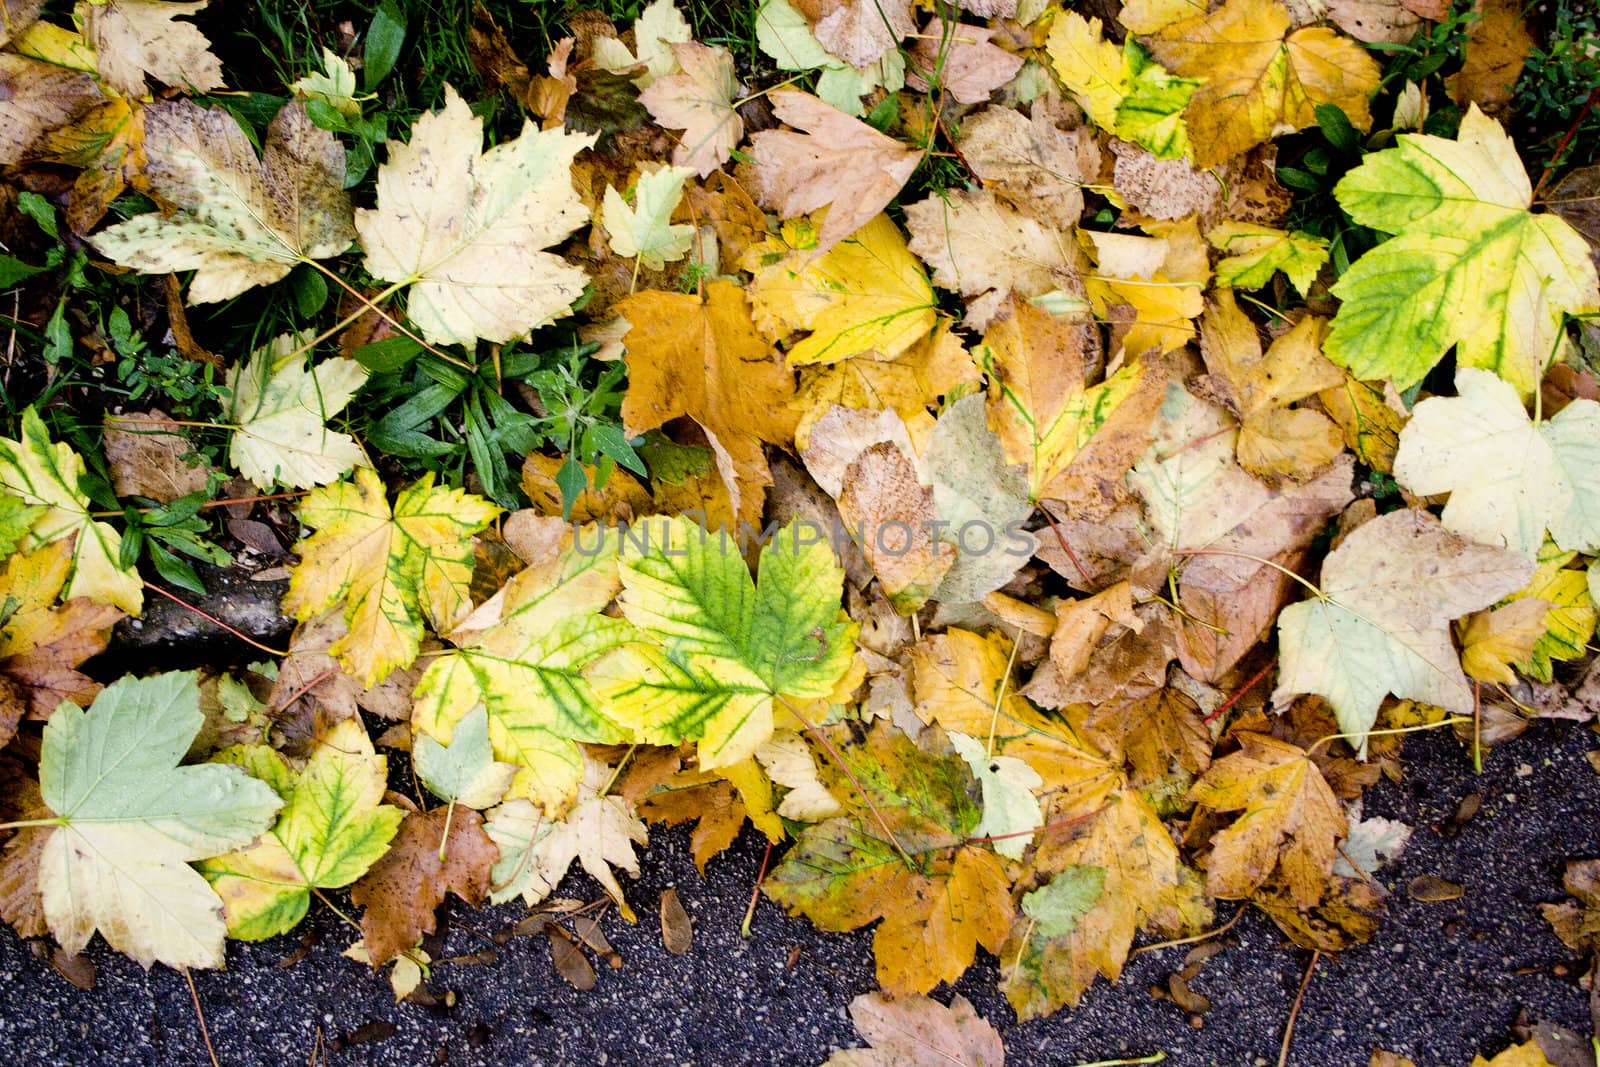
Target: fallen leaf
pixel 465 228
pixel 698 101
pixel 1380 624
pixel 520 657
pixel 1031 162
pixel 677 933
pixel 280 407
pixel 729 646
pixel 848 871
pixel 45 474
pixel 599 831
pixel 147 460
pixel 962 60
pixel 444 850
pixel 131 820
pixel 1123 91
pixel 883 499
pixel 135 38
pixel 1470 265
pixel 40 97
pixel 332 829
pixel 1509 479
pixel 389 568
pixel 1260 78
pixel 1256 253
pixel 464 771
pixel 1497 45
pixel 703 358
pixel 1577 922
pixel 242 221
pixel 838 161
pixel 861 31
pixel 1290 821
pixel 918 1029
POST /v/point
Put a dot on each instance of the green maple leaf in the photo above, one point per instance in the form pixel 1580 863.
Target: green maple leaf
pixel 43 474
pixel 725 646
pixel 520 655
pixel 129 820
pixel 464 771
pixel 388 568
pixel 1470 266
pixel 332 828
pixel 15 519
pixel 646 229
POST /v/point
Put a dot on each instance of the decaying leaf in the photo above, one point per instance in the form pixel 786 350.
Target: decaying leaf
pixel 918 1029
pixel 280 408
pixel 241 221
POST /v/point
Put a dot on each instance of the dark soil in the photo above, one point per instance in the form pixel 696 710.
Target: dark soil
pixel 1440 981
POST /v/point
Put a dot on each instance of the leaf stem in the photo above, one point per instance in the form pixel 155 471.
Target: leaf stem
pixel 1294 1012
pixel 1454 720
pixel 444 835
pixel 385 316
pixel 339 326
pixel 1196 938
pixel 1000 694
pixel 1316 592
pixel 252 642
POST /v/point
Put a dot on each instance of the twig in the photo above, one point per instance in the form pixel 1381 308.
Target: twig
pixel 1294 1012
pixel 1572 131
pixel 205 1035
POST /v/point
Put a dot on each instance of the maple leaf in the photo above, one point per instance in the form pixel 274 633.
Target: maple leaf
pixel 242 221
pixel 107 143
pixel 839 161
pixel 600 832
pixel 784 34
pixel 332 829
pixel 907 384
pixel 883 498
pixel 664 790
pixel 519 656
pixel 280 411
pixel 1290 821
pixel 1259 78
pixel 1491 641
pixel 789 762
pixel 1010 809
pixel 442 851
pixel 903 860
pixel 41 644
pixel 1045 413
pixel 645 230
pixel 659 27
pixel 1255 253
pixel 129 819
pixel 388 568
pixel 1379 624
pixel 1527 1054
pixel 919 1030
pixel 1047 964
pixel 135 38
pixel 861 31
pixel 698 101
pixel 1276 441
pixel 866 295
pixel 1509 479
pixel 1469 266
pixel 728 645
pixel 1123 91
pixel 1577 922
pixel 45 474
pixel 465 228
pixel 16 518
pixel 985 249
pixel 1565 628
pixel 1498 43
pixel 40 97
pixel 961 59
pixel 464 771
pixel 703 358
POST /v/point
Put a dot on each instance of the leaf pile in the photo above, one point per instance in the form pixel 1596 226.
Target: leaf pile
pixel 968 496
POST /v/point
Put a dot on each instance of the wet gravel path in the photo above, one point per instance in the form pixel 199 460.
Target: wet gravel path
pixel 1440 981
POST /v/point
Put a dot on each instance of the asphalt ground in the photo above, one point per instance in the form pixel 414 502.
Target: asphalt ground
pixel 1439 982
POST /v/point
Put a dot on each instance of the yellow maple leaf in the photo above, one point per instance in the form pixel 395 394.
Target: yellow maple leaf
pixel 703 358
pixel 1290 822
pixel 388 568
pixel 1161 277
pixel 1261 79
pixel 909 383
pixel 866 294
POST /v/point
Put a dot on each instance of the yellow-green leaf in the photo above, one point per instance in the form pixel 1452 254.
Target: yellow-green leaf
pixel 44 474
pixel 332 828
pixel 389 569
